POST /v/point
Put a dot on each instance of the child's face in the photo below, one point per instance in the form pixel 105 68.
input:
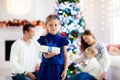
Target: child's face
pixel 89 54
pixel 52 26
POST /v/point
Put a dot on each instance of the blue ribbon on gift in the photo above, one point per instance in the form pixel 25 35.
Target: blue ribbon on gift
pixel 49 49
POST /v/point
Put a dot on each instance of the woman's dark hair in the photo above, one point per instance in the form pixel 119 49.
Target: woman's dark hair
pixel 27 26
pixel 84 45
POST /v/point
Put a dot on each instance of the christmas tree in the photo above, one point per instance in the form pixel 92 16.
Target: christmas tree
pixel 71 19
pixel 72 25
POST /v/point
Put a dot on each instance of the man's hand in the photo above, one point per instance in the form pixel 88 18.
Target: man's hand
pixel 31 76
pixel 37 67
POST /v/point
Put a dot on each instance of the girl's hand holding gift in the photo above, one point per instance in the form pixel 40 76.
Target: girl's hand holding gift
pixel 49 55
pixel 49 49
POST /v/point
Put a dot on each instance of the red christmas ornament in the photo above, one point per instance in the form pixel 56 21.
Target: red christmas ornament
pixel 63 34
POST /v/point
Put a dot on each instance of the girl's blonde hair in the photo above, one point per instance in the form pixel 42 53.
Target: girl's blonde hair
pixel 93 50
pixel 50 17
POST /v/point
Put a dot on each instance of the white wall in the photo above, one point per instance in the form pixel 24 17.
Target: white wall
pixel 11 33
pixel 97 17
pixel 40 9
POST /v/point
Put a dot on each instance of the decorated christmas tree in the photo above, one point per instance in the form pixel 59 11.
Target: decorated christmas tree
pixel 71 19
pixel 72 25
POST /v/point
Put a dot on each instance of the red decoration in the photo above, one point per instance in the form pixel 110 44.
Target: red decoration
pixel 63 34
pixel 19 23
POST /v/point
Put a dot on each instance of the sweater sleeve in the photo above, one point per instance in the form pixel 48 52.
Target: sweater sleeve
pixel 42 40
pixel 39 48
pixel 104 60
pixel 93 68
pixel 14 58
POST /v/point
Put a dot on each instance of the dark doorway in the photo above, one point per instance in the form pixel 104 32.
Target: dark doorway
pixel 8 44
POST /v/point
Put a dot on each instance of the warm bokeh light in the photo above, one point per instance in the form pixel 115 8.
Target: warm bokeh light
pixel 19 7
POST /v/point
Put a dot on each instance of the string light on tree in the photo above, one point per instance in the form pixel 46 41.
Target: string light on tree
pixel 71 19
pixel 72 25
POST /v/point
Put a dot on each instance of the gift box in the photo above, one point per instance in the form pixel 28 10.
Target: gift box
pixel 48 49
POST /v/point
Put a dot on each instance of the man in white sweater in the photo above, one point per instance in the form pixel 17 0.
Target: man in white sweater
pixel 24 55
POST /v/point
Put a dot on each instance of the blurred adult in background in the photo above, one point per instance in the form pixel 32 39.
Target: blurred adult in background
pixel 24 55
pixel 87 40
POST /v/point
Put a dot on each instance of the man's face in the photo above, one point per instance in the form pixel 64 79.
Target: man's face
pixel 31 32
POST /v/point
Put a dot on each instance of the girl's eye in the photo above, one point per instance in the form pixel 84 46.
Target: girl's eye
pixel 50 24
pixel 55 24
